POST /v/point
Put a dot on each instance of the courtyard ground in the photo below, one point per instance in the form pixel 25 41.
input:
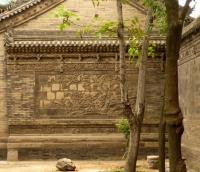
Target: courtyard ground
pixel 83 166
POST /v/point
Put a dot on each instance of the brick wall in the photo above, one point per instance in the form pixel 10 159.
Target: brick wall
pixel 3 108
pixel 83 90
pixel 50 97
pixel 189 88
pixel 39 91
pixel 85 9
pixel 82 98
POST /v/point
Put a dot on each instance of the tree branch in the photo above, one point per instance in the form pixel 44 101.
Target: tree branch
pixel 135 4
pixel 120 34
pixel 185 9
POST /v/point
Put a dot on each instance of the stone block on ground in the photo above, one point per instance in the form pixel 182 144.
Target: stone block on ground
pixel 153 161
pixel 12 155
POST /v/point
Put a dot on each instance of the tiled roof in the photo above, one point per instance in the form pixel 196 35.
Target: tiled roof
pixel 65 43
pixel 17 8
pixel 72 46
pixel 80 43
pixel 10 4
pixel 66 46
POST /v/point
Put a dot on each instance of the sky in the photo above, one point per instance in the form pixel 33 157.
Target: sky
pixel 196 11
pixel 5 2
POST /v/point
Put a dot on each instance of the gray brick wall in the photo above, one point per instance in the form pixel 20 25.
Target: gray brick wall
pixel 189 88
pixel 85 9
pixel 3 108
pixel 38 90
pixel 30 96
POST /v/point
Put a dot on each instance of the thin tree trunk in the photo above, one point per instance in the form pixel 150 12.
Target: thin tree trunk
pixel 135 127
pixel 123 82
pixel 131 161
pixel 162 130
pixel 135 120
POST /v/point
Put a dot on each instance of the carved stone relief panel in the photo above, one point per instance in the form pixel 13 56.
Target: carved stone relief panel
pixel 90 94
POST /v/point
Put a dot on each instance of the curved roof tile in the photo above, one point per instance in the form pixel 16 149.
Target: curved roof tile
pixel 15 9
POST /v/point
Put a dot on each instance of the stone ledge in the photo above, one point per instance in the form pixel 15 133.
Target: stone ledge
pixel 14 122
pixel 65 138
pixel 52 141
pixel 3 142
pixel 84 145
pixel 146 137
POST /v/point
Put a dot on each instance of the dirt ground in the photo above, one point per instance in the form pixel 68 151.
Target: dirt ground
pixel 82 166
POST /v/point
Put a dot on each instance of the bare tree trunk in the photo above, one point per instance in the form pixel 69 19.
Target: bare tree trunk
pixel 162 130
pixel 131 161
pixel 135 119
pixel 135 128
pixel 173 115
pixel 123 82
pixel 135 125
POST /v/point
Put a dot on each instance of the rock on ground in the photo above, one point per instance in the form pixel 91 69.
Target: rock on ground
pixel 65 164
pixel 153 162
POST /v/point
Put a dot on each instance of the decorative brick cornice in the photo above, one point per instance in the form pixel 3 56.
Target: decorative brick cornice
pixel 70 46
pixel 25 12
pixel 192 28
pixel 53 43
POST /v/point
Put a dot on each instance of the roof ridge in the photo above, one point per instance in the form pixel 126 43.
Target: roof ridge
pixel 26 12
pixel 13 5
pixel 18 9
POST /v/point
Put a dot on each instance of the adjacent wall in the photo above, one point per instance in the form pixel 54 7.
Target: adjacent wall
pixel 3 109
pixel 189 87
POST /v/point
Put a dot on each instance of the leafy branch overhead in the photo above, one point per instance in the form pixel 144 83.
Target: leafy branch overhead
pixel 99 27
pixel 134 33
pixel 68 17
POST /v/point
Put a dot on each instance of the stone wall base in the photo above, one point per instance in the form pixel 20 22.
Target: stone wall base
pixel 12 154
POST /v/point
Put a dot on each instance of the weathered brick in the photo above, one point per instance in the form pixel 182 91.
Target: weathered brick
pixel 55 87
pixel 59 95
pixel 51 95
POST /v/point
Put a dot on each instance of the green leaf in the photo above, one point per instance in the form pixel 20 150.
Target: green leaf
pixel 63 26
pixel 123 127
